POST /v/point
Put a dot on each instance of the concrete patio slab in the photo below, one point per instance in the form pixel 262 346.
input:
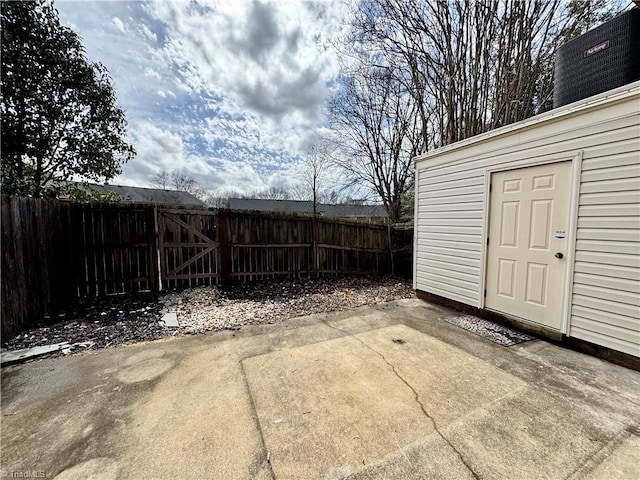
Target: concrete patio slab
pixel 324 396
pixel 360 398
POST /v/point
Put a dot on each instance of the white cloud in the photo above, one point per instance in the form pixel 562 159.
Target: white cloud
pixel 231 90
pixel 119 24
pixel 148 33
pixel 164 150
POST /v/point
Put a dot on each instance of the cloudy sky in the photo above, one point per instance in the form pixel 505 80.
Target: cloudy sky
pixel 232 91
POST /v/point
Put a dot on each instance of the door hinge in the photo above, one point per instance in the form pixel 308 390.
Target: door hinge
pixel 485 292
pixel 490 188
pixel 487 240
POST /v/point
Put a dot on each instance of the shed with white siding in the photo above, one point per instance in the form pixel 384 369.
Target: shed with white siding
pixel 538 222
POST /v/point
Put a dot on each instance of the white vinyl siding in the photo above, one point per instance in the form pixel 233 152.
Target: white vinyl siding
pixel 449 236
pixel 450 201
pixel 606 284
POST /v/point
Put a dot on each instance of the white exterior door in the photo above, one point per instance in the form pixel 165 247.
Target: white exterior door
pixel 527 251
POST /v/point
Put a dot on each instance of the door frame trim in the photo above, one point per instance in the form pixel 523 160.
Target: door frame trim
pixel 573 156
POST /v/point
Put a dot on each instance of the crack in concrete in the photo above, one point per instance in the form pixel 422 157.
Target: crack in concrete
pixel 415 395
pixel 266 453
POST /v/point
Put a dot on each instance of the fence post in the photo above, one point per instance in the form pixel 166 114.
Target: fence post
pixel 223 241
pixel 155 283
pixel 391 255
pixel 314 246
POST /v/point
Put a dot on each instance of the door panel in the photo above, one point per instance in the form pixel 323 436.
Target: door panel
pixel 536 283
pixel 507 277
pixel 540 223
pixel 528 218
pixel 510 221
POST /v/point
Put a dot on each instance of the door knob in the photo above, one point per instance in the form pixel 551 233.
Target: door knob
pixel 559 255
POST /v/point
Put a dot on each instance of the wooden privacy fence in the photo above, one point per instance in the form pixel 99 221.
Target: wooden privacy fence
pixel 199 247
pixel 54 252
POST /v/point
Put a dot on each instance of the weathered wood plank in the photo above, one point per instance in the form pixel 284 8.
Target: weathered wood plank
pixel 55 252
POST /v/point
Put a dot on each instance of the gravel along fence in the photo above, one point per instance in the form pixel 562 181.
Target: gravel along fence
pixel 120 319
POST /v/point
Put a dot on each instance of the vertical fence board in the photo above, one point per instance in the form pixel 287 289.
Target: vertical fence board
pixel 54 252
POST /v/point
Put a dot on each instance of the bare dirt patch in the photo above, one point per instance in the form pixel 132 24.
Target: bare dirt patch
pixel 120 319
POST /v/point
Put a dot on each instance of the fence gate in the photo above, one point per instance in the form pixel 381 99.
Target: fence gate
pixel 189 248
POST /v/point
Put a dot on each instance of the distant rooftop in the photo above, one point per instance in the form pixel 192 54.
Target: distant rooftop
pixel 304 206
pixel 150 195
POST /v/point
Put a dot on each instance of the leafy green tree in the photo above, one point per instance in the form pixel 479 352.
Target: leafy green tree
pixel 59 114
